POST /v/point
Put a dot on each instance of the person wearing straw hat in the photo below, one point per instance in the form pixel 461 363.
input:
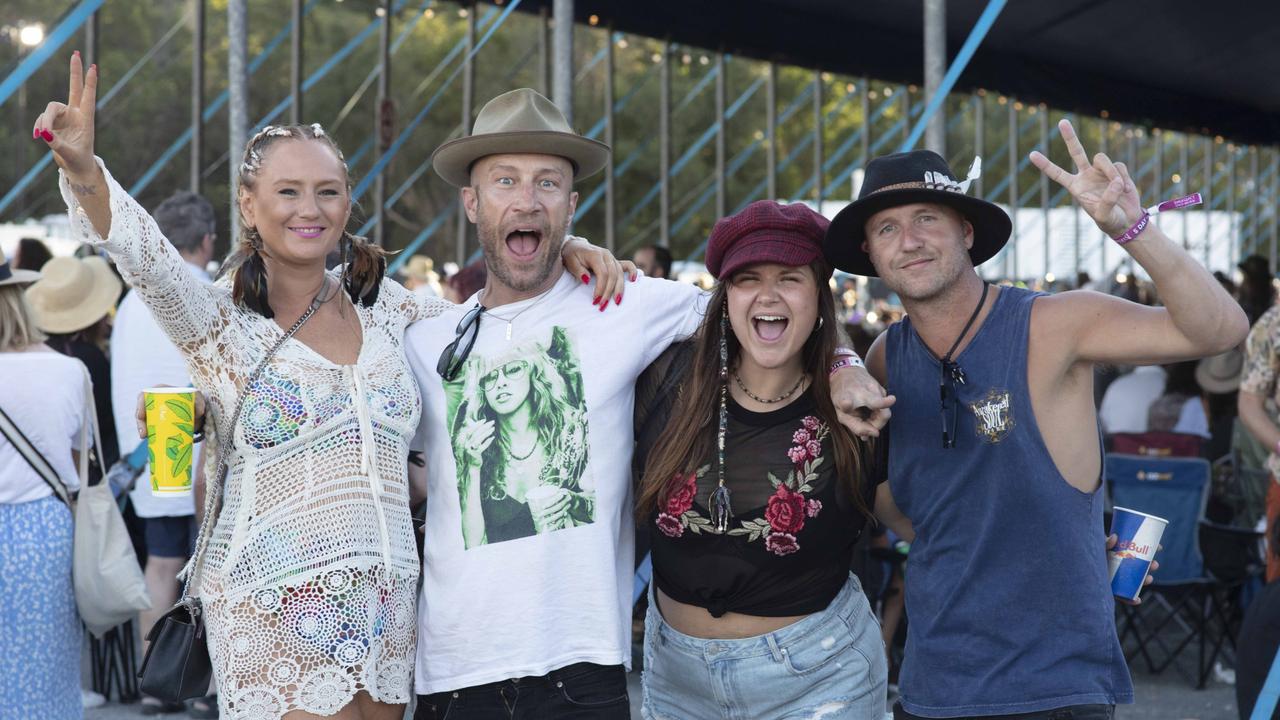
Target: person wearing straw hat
pixel 421 276
pixel 74 294
pixel 43 396
pixel 73 303
pixel 533 619
pixel 1219 377
pixel 1007 586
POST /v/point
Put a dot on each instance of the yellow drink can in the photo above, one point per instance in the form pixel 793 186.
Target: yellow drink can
pixel 171 416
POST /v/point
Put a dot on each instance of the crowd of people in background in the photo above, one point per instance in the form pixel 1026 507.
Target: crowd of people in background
pixel 311 592
pixel 80 308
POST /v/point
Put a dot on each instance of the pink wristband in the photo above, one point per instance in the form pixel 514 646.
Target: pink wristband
pixel 1134 231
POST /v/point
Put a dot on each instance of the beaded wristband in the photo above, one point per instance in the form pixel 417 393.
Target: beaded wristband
pixel 1134 231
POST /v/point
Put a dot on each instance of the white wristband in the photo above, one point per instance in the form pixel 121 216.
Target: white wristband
pixel 846 361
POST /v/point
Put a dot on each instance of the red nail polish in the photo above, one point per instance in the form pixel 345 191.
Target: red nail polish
pixel 618 300
pixel 604 305
pixel 35 134
pixel 48 136
pixel 585 278
pixel 595 300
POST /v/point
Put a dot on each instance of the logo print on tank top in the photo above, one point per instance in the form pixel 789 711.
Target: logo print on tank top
pixel 993 416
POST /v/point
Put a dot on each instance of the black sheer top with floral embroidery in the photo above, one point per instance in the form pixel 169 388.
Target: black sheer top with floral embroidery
pixel 790 542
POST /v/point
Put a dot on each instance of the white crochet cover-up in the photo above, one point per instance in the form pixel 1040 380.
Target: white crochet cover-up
pixel 309 578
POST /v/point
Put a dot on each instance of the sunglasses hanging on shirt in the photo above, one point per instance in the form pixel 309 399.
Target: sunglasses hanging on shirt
pixel 455 353
pixel 952 377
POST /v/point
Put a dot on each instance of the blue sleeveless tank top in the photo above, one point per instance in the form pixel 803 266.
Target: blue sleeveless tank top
pixel 1007 589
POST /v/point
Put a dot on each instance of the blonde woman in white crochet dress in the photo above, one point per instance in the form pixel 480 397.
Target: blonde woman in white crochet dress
pixel 310 570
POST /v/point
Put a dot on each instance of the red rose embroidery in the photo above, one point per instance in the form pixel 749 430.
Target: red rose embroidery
pixel 781 543
pixel 669 525
pixel 785 513
pixel 681 498
pixel 812 508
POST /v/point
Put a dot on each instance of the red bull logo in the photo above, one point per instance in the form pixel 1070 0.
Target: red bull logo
pixel 1129 548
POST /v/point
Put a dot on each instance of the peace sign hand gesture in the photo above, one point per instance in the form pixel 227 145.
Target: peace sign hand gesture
pixel 68 128
pixel 1103 188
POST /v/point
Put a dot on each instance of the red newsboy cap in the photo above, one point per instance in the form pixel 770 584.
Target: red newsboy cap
pixel 765 232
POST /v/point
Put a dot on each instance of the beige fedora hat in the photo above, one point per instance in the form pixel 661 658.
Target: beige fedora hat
pixel 73 294
pixel 1221 374
pixel 10 275
pixel 520 121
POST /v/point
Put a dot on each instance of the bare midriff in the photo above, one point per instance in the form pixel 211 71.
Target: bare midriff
pixel 697 622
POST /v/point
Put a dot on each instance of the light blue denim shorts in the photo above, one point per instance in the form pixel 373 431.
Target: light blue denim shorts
pixel 830 665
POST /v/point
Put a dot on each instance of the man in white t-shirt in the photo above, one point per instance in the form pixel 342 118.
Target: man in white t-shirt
pixel 142 357
pixel 1128 398
pixel 527 392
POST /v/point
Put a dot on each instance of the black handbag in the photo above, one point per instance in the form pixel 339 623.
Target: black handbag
pixel 176 666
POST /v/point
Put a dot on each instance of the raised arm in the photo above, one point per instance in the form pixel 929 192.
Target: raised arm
pixel 67 128
pixel 1199 318
pixel 103 214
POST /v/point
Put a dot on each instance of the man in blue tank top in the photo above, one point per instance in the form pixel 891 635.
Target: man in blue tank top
pixel 1007 586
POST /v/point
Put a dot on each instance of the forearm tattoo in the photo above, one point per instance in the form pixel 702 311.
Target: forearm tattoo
pixel 79 189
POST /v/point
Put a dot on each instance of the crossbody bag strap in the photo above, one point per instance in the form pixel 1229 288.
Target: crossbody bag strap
pixel 92 418
pixel 213 493
pixel 31 454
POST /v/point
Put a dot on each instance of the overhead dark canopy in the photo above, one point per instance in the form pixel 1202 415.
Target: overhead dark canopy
pixel 1178 64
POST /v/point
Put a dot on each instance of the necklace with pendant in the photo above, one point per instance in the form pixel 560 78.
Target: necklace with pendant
pixel 522 311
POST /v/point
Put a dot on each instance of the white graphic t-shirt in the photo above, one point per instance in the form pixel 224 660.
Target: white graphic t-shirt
pixel 529 538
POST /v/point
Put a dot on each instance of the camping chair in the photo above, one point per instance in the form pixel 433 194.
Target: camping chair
pixel 1185 604
pixel 1156 444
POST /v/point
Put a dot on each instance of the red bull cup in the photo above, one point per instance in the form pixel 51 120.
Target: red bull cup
pixel 1138 535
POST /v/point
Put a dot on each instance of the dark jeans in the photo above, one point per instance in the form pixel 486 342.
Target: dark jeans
pixel 1075 712
pixel 582 691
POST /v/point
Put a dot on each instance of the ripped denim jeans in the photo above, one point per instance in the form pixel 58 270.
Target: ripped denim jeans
pixel 829 666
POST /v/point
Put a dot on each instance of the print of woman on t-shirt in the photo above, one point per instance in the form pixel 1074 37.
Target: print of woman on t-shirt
pixel 520 442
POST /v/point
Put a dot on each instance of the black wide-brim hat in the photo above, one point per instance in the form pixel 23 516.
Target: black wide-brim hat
pixel 919 176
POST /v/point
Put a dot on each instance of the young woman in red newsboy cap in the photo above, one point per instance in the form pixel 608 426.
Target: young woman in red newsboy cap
pixel 755 494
